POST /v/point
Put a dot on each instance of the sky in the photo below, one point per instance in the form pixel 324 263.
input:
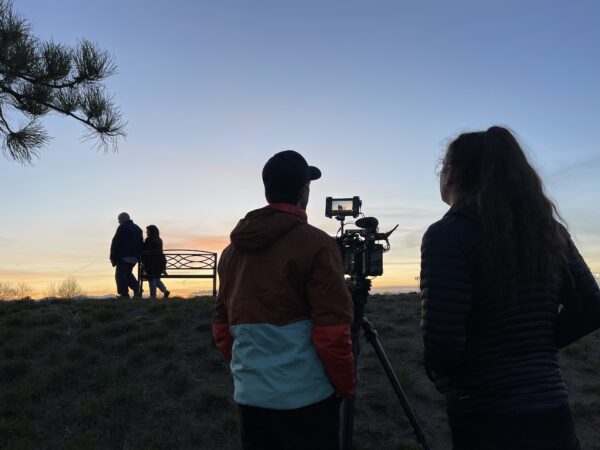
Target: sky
pixel 369 92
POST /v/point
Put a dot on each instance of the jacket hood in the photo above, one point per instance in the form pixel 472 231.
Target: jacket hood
pixel 261 227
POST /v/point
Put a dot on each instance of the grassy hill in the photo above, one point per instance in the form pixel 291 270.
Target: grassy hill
pixel 100 374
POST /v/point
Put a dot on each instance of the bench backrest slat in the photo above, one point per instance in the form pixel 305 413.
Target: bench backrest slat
pixel 183 263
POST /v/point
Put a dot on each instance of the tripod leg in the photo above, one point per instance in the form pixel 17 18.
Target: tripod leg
pixel 347 410
pixel 373 338
pixel 347 424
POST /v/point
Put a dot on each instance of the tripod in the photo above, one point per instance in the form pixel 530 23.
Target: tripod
pixel 359 288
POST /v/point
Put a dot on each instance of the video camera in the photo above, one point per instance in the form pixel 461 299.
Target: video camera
pixel 362 252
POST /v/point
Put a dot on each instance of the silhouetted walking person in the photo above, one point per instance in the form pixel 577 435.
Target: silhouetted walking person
pixel 125 253
pixel 154 260
pixel 503 288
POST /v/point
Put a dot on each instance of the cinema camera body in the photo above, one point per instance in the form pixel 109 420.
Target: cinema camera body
pixel 362 253
pixel 362 248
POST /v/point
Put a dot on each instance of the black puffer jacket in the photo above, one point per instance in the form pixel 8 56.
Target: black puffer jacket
pixel 153 258
pixel 489 354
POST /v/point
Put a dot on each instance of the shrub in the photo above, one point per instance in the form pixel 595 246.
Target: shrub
pixel 7 292
pixel 24 291
pixel 68 289
pixel 21 291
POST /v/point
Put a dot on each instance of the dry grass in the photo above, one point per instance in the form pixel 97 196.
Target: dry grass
pixel 105 375
pixel 99 374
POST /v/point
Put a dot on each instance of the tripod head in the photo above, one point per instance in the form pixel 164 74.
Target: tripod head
pixel 359 287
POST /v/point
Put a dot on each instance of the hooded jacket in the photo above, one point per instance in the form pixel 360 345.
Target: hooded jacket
pixel 496 355
pixel 283 311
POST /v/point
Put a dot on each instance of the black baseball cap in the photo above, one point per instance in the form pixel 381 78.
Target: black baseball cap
pixel 288 170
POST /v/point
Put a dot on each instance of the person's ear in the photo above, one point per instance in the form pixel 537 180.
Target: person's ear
pixel 449 176
pixel 302 192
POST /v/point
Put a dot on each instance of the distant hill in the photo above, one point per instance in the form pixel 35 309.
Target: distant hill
pixel 102 374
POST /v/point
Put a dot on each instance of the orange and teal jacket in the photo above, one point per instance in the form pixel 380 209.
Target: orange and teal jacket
pixel 283 311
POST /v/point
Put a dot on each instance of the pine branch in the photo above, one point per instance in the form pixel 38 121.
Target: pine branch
pixel 91 107
pixel 92 65
pixel 24 144
pixel 38 77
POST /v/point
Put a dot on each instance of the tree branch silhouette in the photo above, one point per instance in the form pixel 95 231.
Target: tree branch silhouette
pixel 39 77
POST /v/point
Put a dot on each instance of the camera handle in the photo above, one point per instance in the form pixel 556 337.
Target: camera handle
pixel 341 219
pixel 359 288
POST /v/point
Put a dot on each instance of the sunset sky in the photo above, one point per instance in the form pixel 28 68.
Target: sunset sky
pixel 369 92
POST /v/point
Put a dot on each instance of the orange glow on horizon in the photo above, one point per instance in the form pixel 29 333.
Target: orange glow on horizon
pixel 93 271
pixel 100 283
pixel 207 243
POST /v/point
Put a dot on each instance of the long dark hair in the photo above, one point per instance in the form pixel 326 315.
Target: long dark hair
pixel 153 231
pixel 520 225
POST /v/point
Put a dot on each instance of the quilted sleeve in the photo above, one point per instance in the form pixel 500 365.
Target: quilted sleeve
pixel 446 293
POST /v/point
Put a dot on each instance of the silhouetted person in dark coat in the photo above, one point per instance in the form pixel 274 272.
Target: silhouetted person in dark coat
pixel 125 253
pixel 154 260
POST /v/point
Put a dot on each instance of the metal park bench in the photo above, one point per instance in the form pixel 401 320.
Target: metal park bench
pixel 184 264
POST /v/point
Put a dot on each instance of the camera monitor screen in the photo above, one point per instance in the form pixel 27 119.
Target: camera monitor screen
pixel 342 206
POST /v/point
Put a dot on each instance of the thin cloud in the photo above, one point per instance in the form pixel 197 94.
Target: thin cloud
pixel 575 169
pixel 414 238
pixel 404 213
pixel 208 243
pixel 402 263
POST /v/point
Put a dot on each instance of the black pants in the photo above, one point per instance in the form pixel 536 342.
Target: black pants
pixel 125 279
pixel 541 430
pixel 314 427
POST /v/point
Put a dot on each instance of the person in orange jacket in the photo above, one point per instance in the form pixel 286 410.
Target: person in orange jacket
pixel 282 317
